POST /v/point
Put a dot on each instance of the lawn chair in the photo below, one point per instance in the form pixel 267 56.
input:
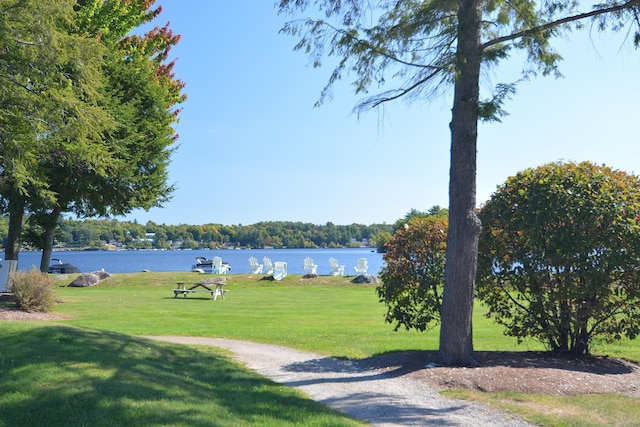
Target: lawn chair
pixel 309 266
pixel 219 267
pixel 362 266
pixel 280 270
pixel 336 270
pixel 268 266
pixel 254 267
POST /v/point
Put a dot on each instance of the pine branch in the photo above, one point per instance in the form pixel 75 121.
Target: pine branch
pixel 378 100
pixel 559 22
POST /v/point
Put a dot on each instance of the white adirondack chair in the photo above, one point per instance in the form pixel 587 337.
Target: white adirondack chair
pixel 279 270
pixel 336 270
pixel 218 267
pixel 268 266
pixel 254 267
pixel 362 266
pixel 309 266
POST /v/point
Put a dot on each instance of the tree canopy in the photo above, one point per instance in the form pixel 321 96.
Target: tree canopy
pixel 110 151
pixel 50 101
pixel 51 83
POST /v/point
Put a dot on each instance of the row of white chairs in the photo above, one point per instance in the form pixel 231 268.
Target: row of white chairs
pixel 279 268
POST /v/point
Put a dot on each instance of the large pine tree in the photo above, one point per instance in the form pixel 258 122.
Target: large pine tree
pixel 427 46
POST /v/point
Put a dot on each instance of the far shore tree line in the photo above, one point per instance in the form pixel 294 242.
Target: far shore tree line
pixel 114 234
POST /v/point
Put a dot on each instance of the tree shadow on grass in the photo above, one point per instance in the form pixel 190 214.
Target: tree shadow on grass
pixel 65 376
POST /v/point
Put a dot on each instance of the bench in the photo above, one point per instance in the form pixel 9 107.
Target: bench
pixel 181 288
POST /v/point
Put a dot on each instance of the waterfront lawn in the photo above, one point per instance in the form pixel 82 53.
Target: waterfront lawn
pixel 327 315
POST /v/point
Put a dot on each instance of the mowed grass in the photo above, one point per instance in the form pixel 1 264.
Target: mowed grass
pixel 328 315
pixel 70 376
pixel 561 410
pixel 112 374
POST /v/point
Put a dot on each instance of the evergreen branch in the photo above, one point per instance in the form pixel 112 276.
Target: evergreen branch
pixel 553 24
pixel 399 93
pixel 27 43
pixel 373 49
pixel 13 80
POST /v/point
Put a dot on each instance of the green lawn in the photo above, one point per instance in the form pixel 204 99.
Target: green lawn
pixel 328 315
pixel 92 364
pixel 56 375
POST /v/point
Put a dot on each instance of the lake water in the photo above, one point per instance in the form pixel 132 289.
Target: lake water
pixel 179 260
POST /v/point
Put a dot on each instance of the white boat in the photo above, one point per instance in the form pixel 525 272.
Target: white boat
pixel 205 265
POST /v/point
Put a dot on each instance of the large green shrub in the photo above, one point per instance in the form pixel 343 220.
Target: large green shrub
pixel 33 290
pixel 413 277
pixel 559 255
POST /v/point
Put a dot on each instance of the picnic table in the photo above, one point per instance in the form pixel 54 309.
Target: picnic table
pixel 206 285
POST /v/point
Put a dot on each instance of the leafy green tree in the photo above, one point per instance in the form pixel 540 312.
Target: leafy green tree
pixel 414 213
pixel 141 92
pixel 383 237
pixel 160 239
pixel 50 97
pixel 559 255
pixel 413 275
pixel 422 48
pixel 382 240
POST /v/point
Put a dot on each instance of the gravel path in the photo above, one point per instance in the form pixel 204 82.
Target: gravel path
pixel 381 396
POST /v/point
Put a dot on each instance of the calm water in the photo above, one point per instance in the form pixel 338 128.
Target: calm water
pixel 134 261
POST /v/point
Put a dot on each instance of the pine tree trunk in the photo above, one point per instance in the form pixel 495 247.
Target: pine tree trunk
pixel 456 339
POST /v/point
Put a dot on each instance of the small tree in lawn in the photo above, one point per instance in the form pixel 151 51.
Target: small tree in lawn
pixel 413 277
pixel 559 255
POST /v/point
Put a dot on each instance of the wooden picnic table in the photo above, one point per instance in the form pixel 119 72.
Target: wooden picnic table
pixel 207 286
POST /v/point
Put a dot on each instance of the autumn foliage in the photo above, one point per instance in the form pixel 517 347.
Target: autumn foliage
pixel 413 277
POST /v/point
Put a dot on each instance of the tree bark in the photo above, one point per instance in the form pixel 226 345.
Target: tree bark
pixel 51 225
pixel 16 213
pixel 456 340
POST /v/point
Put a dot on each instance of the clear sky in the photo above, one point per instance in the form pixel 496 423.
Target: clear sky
pixel 253 148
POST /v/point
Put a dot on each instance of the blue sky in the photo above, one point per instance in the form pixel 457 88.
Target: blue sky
pixel 253 148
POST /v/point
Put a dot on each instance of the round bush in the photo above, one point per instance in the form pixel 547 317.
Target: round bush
pixel 558 255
